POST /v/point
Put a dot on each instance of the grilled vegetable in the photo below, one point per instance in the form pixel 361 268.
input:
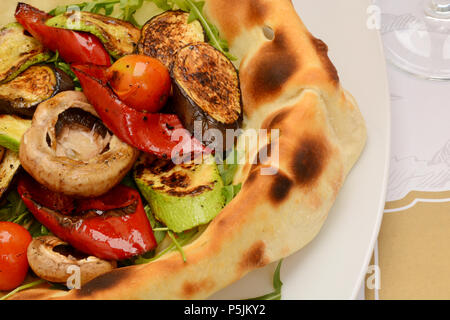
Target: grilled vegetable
pixel 155 133
pixel 36 84
pixel 206 89
pixel 50 258
pixel 72 46
pixel 163 35
pixel 141 82
pixel 181 196
pixel 111 227
pixel 119 37
pixel 69 150
pixel 18 51
pixel 12 128
pixel 9 166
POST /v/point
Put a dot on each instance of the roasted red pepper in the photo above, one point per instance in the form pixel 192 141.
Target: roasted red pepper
pixel 149 132
pixel 112 227
pixel 72 46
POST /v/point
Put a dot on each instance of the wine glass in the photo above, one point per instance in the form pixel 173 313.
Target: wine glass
pixel 416 36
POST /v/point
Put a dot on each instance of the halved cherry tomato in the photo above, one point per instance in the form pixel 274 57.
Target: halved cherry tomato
pixel 141 82
pixel 14 241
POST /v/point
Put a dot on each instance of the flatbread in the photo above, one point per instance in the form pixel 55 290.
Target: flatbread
pixel 288 83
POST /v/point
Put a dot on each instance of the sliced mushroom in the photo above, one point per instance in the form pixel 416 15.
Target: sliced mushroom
pixel 53 259
pixel 69 150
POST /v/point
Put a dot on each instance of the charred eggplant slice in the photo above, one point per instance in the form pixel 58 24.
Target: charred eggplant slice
pixel 119 37
pixel 38 83
pixel 206 89
pixel 163 35
pixel 9 166
pixel 18 51
pixel 181 196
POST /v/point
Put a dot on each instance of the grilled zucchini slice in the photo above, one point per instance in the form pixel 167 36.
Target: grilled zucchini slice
pixel 9 166
pixel 206 89
pixel 12 128
pixel 181 196
pixel 119 37
pixel 163 35
pixel 38 83
pixel 18 51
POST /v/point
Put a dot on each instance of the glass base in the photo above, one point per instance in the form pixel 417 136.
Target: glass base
pixel 416 37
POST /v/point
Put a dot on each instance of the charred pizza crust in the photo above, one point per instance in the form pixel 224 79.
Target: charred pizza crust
pixel 288 83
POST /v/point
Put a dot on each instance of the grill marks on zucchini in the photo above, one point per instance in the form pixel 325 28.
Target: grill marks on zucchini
pixel 119 37
pixel 163 35
pixel 35 85
pixel 18 51
pixel 177 180
pixel 206 89
pixel 181 196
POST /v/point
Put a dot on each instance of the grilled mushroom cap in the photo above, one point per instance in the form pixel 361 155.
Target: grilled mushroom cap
pixel 51 258
pixel 69 150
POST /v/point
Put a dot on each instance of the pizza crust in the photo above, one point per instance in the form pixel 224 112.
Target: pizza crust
pixel 288 83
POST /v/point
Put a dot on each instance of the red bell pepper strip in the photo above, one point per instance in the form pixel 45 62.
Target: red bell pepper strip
pixel 72 46
pixel 111 227
pixel 149 132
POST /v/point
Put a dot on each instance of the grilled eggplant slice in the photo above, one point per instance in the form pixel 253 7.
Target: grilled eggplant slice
pixel 206 89
pixel 181 196
pixel 119 37
pixel 38 83
pixel 163 35
pixel 18 51
pixel 12 128
pixel 9 166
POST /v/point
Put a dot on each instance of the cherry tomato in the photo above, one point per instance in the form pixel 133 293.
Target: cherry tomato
pixel 14 241
pixel 141 82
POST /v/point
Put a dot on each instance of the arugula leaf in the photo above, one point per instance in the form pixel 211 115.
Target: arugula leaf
pixel 177 244
pixel 182 239
pixel 195 10
pixel 159 234
pixel 230 192
pixel 277 284
pixel 60 64
pixel 95 6
pixel 228 167
pixel 127 8
pixel 16 211
pixel 23 287
pixel 227 170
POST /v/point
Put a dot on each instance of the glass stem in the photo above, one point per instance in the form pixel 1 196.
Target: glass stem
pixel 438 8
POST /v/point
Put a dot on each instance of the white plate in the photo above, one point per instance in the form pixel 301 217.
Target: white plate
pixel 334 264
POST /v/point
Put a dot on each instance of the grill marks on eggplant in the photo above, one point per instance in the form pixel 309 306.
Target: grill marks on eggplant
pixel 38 83
pixel 206 89
pixel 163 35
pixel 210 80
pixel 119 37
pixel 18 51
pixel 205 83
